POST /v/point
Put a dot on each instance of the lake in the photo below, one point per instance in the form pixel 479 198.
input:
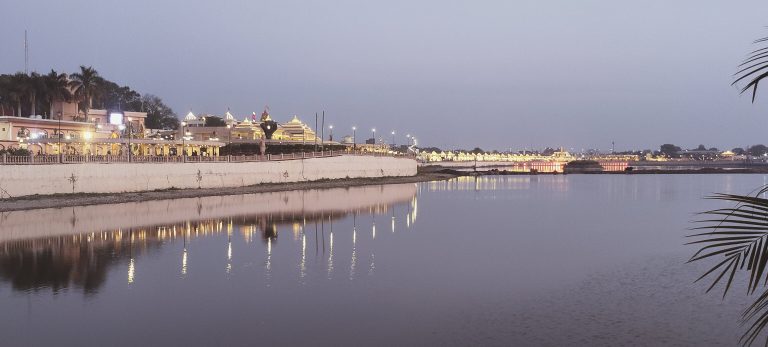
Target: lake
pixel 546 260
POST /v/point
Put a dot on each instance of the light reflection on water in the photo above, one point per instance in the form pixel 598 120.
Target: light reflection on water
pixel 453 262
pixel 83 260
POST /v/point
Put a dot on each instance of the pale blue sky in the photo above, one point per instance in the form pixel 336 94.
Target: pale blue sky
pixel 494 74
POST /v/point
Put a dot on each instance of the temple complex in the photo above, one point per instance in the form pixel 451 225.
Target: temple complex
pixel 248 130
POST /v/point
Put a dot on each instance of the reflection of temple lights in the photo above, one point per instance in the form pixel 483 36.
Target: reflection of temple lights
pixel 297 228
pixel 268 262
pixel 330 257
pixel 353 263
pixel 373 264
pixel 229 256
pixel 184 262
pixel 131 271
pixel 303 264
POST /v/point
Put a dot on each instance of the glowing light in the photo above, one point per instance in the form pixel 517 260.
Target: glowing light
pixel 303 263
pixel 116 118
pixel 184 262
pixel 353 263
pixel 330 258
pixel 373 264
pixel 131 271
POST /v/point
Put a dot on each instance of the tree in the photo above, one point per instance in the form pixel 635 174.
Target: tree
pixel 85 84
pixel 35 86
pixel 757 150
pixel 5 94
pixel 56 88
pixel 739 151
pixel 735 238
pixel 752 69
pixel 701 148
pixel 159 115
pixel 111 95
pixel 18 90
pixel 670 150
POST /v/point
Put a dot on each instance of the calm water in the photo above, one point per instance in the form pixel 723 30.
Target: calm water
pixel 510 260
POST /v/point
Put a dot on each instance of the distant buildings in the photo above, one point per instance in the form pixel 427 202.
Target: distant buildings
pixel 107 132
pixel 247 130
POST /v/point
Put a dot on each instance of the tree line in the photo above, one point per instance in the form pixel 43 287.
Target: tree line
pixel 673 151
pixel 24 94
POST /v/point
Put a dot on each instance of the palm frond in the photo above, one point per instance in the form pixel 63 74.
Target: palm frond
pixel 753 73
pixel 736 238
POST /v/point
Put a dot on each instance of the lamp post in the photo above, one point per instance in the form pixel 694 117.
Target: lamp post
pixel 330 137
pixel 183 139
pixel 229 139
pixel 61 158
pixel 393 140
pixel 354 138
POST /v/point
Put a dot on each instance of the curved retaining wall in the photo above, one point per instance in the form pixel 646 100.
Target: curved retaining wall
pixel 22 180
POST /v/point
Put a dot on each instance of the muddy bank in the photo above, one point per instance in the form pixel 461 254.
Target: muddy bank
pixel 63 200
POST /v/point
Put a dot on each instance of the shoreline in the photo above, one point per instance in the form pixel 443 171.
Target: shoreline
pixel 425 174
pixel 34 202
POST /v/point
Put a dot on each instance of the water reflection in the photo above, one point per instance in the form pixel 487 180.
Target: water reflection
pixel 79 261
pixel 485 183
pixel 80 254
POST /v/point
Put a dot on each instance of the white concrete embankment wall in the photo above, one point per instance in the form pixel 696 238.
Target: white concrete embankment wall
pixel 22 180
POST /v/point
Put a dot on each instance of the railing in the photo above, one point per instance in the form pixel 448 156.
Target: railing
pixel 77 159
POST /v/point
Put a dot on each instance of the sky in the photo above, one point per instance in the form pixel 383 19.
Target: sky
pixel 455 74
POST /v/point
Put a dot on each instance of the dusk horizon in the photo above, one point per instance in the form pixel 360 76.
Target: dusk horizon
pixel 340 173
pixel 502 75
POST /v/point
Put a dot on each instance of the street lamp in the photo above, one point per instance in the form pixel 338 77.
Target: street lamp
pixel 373 131
pixel 354 137
pixel 58 135
pixel 330 138
pixel 229 139
pixel 183 139
pixel 130 135
pixel 393 139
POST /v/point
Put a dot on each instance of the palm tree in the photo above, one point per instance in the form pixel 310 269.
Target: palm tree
pixel 34 85
pixel 753 68
pixel 56 89
pixel 85 84
pixel 736 238
pixel 5 93
pixel 18 85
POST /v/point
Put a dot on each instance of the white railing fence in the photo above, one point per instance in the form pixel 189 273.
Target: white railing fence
pixel 6 159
